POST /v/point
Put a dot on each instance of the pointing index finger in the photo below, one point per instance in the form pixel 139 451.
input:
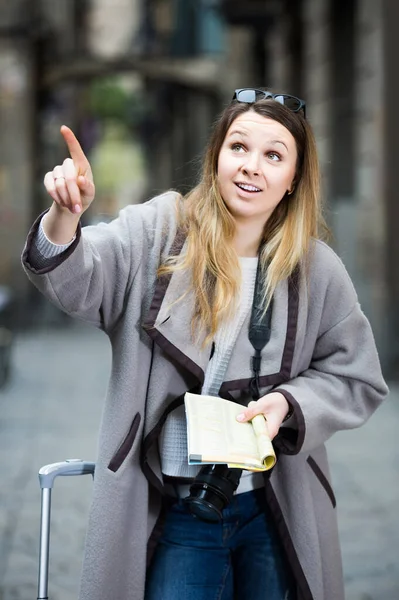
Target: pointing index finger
pixel 75 150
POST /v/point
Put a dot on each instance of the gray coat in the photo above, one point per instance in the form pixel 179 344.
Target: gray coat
pixel 321 356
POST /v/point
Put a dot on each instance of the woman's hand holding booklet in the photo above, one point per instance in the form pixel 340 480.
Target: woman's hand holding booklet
pixel 215 436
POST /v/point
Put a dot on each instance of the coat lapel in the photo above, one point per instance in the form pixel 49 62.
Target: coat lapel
pixel 168 323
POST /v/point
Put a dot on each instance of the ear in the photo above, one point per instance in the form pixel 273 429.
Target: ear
pixel 292 187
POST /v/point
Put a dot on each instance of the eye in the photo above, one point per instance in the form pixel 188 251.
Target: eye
pixel 236 147
pixel 273 156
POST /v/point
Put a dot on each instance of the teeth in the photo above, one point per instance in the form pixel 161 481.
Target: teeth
pixel 248 188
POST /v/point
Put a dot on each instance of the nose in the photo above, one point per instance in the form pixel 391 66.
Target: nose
pixel 252 163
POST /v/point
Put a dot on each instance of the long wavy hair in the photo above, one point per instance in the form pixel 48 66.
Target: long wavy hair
pixel 205 219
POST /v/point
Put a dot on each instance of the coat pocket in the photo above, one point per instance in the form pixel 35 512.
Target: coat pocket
pixel 125 447
pixel 322 479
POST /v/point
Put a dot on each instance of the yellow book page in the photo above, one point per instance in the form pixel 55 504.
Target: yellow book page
pixel 215 436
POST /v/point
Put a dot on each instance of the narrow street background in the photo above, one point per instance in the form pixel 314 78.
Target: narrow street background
pixel 51 411
pixel 141 82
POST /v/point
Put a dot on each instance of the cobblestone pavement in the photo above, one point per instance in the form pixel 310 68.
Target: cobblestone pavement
pixel 51 411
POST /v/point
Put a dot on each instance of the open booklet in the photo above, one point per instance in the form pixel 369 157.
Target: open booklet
pixel 215 436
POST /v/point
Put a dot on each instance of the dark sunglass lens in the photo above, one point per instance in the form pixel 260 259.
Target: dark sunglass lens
pixel 290 102
pixel 248 96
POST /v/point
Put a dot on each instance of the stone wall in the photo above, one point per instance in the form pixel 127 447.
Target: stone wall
pixel 370 201
pixel 16 187
pixel 355 213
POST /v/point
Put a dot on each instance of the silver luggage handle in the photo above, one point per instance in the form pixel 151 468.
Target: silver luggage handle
pixel 47 475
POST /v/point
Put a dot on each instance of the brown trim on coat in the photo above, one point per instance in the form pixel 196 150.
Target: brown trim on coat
pixel 48 264
pixel 120 455
pixel 157 299
pixel 303 591
pixel 288 353
pixel 323 479
pixel 292 323
pixel 290 440
pixel 162 284
pixel 176 354
pixel 151 477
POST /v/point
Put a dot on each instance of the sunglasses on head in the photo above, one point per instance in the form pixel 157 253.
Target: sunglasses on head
pixel 250 95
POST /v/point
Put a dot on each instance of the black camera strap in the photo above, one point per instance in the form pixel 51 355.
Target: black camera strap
pixel 259 330
pixel 214 486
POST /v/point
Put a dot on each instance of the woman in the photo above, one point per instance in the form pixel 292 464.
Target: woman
pixel 172 283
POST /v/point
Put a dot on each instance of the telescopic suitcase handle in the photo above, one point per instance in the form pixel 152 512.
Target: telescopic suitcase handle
pixel 47 475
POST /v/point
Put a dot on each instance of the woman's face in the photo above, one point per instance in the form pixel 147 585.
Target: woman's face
pixel 256 166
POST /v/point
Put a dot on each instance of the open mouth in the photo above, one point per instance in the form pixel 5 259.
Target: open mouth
pixel 252 189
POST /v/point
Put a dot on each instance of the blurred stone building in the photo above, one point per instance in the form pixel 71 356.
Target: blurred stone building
pixel 184 58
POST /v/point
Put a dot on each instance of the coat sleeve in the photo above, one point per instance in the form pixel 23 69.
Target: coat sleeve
pixel 91 278
pixel 343 384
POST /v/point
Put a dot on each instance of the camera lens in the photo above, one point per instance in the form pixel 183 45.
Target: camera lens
pixel 205 505
pixel 211 491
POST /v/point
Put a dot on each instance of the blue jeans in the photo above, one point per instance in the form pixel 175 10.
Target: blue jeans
pixel 239 558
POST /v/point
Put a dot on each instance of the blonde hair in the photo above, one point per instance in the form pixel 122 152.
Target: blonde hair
pixel 210 228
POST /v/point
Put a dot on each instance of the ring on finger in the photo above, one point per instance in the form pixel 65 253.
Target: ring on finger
pixel 59 177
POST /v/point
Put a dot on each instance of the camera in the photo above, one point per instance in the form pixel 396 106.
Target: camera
pixel 211 491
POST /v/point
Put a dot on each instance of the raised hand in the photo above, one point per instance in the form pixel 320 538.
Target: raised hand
pixel 71 184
